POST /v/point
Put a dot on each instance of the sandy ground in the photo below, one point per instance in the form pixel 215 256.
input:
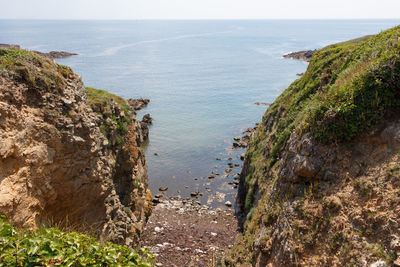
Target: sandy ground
pixel 185 233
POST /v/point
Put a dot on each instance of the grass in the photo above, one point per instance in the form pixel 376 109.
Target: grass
pixel 102 97
pixel 41 73
pixel 52 247
pixel 114 126
pixel 348 89
pixel 33 69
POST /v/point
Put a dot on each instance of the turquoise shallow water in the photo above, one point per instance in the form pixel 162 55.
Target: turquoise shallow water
pixel 202 77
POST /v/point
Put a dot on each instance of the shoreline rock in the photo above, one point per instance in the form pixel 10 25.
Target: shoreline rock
pixel 51 54
pixel 57 54
pixel 305 55
pixel 138 104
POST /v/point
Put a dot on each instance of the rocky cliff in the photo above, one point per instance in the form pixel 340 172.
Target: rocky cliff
pixel 69 155
pixel 320 184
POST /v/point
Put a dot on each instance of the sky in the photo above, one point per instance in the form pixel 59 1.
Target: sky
pixel 198 9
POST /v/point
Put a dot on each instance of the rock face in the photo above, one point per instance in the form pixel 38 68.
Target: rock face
pixel 320 185
pixel 302 55
pixel 57 163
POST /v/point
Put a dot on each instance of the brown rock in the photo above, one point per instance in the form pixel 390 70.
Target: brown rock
pixel 57 164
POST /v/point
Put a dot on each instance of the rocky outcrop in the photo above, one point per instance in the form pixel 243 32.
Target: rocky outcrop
pixel 62 160
pixel 138 104
pixel 10 46
pixel 51 54
pixel 320 178
pixel 57 54
pixel 301 55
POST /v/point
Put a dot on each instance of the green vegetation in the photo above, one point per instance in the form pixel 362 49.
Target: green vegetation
pixel 37 71
pixel 52 247
pixel 102 97
pixel 348 89
pixel 114 126
pixel 33 69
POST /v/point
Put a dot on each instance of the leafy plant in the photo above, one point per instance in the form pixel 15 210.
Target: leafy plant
pixel 52 247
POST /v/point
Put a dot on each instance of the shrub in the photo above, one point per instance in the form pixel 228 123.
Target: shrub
pixel 52 247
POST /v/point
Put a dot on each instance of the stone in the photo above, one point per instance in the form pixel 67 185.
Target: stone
pixel 395 243
pixel 228 204
pixel 379 263
pixel 138 104
pixel 147 119
pixel 396 263
pixel 163 188
pixel 261 103
pixel 305 55
pixel 220 196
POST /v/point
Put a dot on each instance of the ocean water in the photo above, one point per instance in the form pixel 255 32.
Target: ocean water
pixel 202 77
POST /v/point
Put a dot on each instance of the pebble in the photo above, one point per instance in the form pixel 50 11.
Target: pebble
pixel 228 204
pixel 163 188
pixel 220 196
pixel 379 263
pixel 194 194
pixel 213 234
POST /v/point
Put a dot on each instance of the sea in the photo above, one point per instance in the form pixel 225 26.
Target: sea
pixel 203 78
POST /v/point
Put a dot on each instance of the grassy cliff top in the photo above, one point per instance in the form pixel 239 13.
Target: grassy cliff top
pixel 347 89
pixel 33 69
pixel 97 96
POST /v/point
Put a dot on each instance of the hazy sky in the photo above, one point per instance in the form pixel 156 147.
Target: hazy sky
pixel 198 9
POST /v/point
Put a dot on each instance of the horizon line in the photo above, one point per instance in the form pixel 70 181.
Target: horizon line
pixel 188 19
